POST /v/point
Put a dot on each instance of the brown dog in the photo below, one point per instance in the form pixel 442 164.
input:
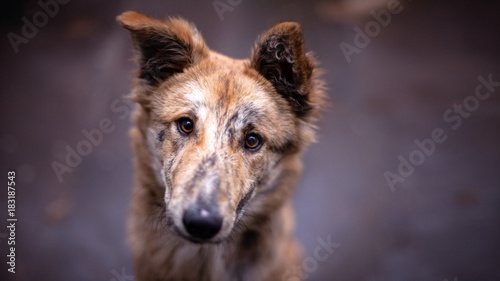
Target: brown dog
pixel 217 143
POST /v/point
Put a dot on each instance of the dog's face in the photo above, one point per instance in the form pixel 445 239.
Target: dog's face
pixel 217 127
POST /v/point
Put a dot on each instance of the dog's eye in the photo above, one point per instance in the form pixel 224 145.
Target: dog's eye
pixel 185 125
pixel 253 142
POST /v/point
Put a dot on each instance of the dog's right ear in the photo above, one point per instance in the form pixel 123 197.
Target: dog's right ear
pixel 164 47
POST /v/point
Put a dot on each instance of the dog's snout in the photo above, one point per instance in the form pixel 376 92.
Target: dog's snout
pixel 202 223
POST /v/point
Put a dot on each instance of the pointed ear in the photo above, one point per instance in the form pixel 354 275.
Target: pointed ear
pixel 280 57
pixel 164 47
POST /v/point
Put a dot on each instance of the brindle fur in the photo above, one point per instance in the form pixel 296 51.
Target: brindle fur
pixel 276 92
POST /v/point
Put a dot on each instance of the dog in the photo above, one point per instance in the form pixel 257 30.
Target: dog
pixel 217 146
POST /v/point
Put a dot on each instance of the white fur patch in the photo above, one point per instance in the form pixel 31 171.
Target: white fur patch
pixel 167 187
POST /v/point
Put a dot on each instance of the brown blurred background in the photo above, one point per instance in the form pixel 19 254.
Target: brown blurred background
pixel 441 223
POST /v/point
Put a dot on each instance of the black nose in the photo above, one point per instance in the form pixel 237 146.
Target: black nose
pixel 202 224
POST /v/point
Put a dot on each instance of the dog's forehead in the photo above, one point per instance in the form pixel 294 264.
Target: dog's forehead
pixel 215 89
pixel 223 92
pixel 229 94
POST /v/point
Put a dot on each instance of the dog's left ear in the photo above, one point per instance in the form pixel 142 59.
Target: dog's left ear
pixel 165 47
pixel 280 57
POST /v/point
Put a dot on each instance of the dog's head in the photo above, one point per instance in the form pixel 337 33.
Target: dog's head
pixel 219 128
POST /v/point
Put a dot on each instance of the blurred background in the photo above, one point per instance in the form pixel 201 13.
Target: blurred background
pixel 397 71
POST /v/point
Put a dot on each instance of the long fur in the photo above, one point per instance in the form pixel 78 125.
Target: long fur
pixel 276 93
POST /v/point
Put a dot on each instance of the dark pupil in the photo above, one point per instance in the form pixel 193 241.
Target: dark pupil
pixel 187 125
pixel 252 141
